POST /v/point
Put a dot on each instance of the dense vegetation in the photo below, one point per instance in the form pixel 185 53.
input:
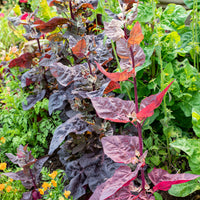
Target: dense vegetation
pixel 111 88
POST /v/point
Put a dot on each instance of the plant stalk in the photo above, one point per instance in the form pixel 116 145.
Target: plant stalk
pixel 71 12
pixel 139 126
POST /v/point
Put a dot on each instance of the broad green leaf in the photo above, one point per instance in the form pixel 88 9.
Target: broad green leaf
pixel 189 3
pixel 189 146
pixel 184 189
pixel 145 12
pixel 196 120
pixel 176 15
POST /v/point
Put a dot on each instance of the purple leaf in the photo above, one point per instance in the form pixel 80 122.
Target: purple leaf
pixel 121 148
pixel 33 99
pixel 75 125
pixel 113 29
pixel 113 109
pixel 124 53
pixel 121 178
pixel 163 180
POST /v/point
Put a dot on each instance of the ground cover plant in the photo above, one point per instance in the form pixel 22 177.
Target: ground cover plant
pixel 74 61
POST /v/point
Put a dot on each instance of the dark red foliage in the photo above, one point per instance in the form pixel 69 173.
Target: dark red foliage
pixel 24 61
pixel 50 25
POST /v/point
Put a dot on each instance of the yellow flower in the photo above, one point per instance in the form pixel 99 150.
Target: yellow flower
pixel 54 183
pixel 41 191
pixel 3 166
pixel 53 174
pixel 46 185
pixel 8 188
pixel 67 193
pixel 2 186
pixel 2 140
pixel 61 198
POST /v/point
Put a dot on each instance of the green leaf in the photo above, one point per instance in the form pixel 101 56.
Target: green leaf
pixel 155 160
pixel 196 120
pixel 145 12
pixel 184 189
pixel 157 196
pixel 189 3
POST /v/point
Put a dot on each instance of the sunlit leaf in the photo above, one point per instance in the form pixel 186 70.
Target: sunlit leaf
pixel 136 35
pixel 118 76
pixel 113 109
pixel 149 104
pixel 121 148
pixel 111 86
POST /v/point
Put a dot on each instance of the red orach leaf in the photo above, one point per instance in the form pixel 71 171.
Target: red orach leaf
pixel 136 35
pixel 121 178
pixel 23 1
pixel 80 48
pixel 121 148
pixel 118 76
pixel 51 2
pixel 50 25
pixel 163 180
pixel 113 109
pixel 149 104
pixel 23 61
pixel 111 86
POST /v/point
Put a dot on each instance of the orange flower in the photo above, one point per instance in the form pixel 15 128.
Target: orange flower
pixel 53 174
pixel 2 140
pixel 8 188
pixel 54 183
pixel 41 191
pixel 2 186
pixel 67 193
pixel 46 185
pixel 11 180
pixel 3 166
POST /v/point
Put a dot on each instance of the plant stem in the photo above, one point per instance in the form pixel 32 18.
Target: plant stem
pixel 139 127
pixel 71 12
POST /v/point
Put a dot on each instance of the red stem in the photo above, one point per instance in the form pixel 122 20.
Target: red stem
pixel 71 12
pixel 139 126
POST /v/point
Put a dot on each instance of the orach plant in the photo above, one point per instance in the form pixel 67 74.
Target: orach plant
pixel 66 74
pixel 28 176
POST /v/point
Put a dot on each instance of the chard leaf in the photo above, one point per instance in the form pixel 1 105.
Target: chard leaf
pixel 121 148
pixel 162 180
